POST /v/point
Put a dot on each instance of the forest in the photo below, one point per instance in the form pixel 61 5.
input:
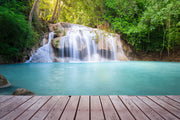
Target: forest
pixel 146 25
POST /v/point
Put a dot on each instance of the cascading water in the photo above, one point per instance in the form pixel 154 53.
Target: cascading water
pixel 79 43
pixel 44 53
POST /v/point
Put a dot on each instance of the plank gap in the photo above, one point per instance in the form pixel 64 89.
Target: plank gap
pixel 140 109
pixel 114 107
pixel 102 108
pixel 77 108
pixel 89 107
pixel 164 107
pixel 4 98
pixel 64 107
pixel 171 104
pixel 40 107
pixel 28 107
pixel 151 107
pixel 126 107
pixel 19 104
pixel 172 99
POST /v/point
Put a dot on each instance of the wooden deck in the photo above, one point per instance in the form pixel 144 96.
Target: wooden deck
pixel 89 107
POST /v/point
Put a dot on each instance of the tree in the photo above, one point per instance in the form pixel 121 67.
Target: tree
pixel 32 11
pixel 54 12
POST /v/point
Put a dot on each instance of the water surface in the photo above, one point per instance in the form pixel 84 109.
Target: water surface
pixel 103 78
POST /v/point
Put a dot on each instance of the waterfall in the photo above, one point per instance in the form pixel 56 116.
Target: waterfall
pixel 80 43
pixel 44 53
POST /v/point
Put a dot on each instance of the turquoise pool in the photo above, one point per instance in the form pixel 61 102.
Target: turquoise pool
pixel 106 78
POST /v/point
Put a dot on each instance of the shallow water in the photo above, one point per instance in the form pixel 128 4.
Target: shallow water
pixel 105 78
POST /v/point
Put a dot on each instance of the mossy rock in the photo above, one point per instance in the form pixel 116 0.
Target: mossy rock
pixel 22 91
pixel 3 81
pixel 55 42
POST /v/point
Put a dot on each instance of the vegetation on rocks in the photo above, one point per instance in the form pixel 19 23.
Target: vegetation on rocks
pixel 147 25
pixel 22 91
pixel 16 36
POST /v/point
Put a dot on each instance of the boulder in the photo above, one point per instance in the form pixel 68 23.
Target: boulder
pixel 3 81
pixel 22 91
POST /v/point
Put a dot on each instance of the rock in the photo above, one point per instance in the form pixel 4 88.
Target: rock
pixel 1 60
pixel 55 42
pixel 108 44
pixel 3 82
pixel 22 91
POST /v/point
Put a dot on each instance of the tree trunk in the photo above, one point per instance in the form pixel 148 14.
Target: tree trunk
pixel 32 11
pixel 59 10
pixel 54 12
pixel 163 42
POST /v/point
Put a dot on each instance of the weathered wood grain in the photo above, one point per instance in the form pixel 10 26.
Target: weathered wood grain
pixel 83 109
pixel 137 113
pixel 176 98
pixel 121 108
pixel 70 110
pixel 15 113
pixel 164 113
pixel 89 107
pixel 109 111
pixel 4 98
pixel 166 106
pixel 57 110
pixel 170 101
pixel 34 108
pixel 146 109
pixel 10 107
pixel 42 113
pixel 96 109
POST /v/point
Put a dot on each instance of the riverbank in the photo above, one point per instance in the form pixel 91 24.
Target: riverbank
pixel 155 56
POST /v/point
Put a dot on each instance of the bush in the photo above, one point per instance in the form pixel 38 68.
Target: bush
pixel 16 36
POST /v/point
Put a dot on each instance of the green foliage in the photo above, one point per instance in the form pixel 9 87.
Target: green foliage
pixel 16 36
pixel 84 12
pixel 148 25
pixel 97 37
pixel 58 31
pixel 46 9
pixel 57 43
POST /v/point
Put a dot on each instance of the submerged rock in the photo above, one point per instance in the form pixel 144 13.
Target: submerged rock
pixel 3 82
pixel 22 91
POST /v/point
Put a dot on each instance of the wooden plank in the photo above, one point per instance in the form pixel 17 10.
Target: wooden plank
pixel 176 98
pixel 83 109
pixel 15 113
pixel 96 109
pixel 165 114
pixel 137 113
pixel 170 101
pixel 34 108
pixel 70 110
pixel 121 108
pixel 166 106
pixel 9 101
pixel 42 113
pixel 146 109
pixel 109 110
pixel 20 100
pixel 57 110
pixel 4 98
